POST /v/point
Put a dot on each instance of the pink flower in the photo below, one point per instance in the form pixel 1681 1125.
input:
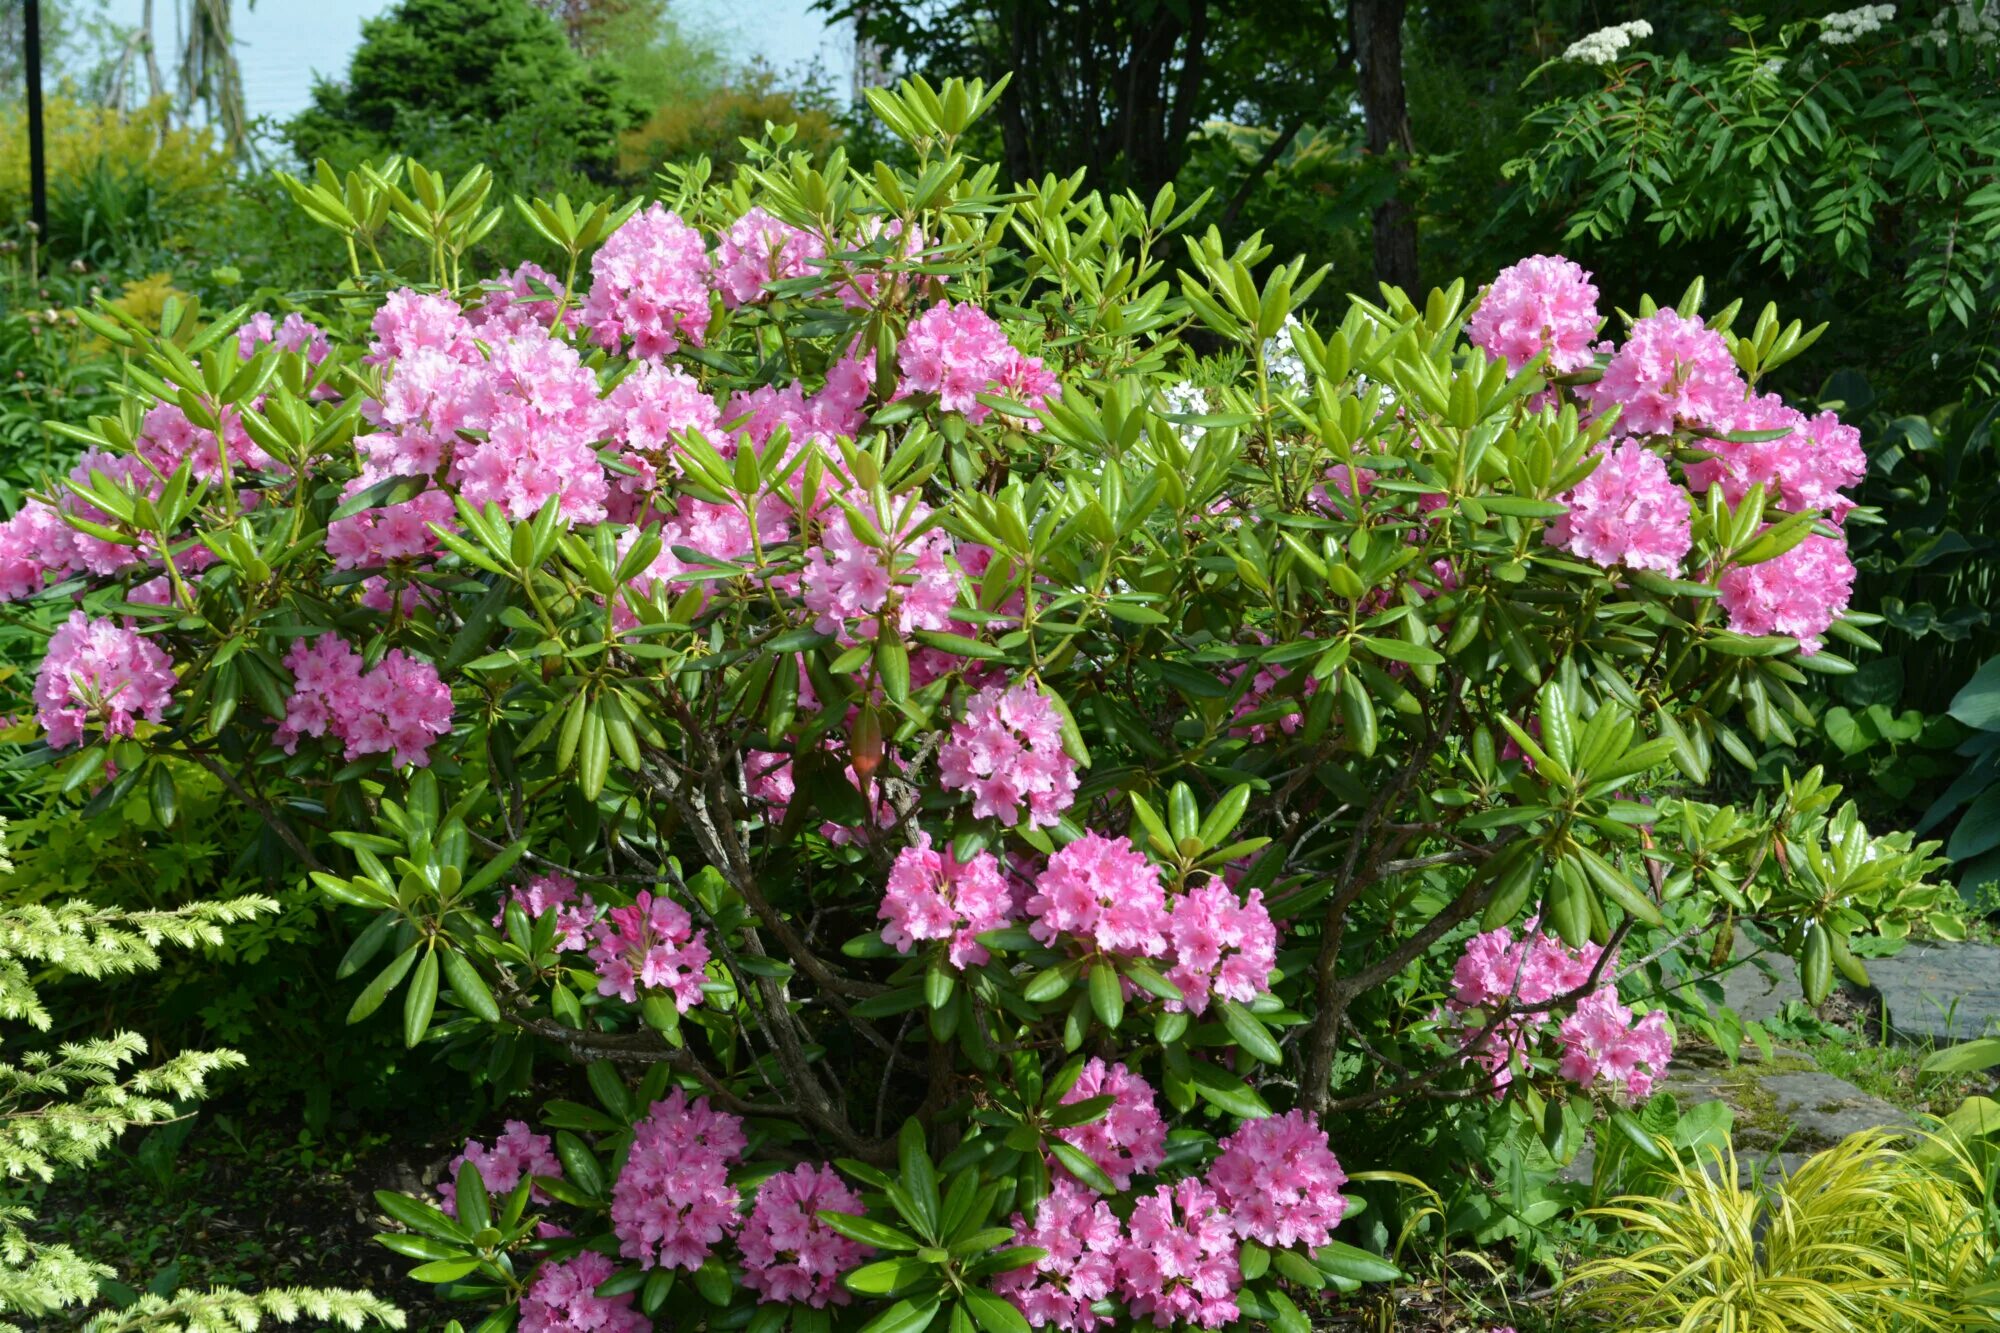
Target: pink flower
pixel 99 671
pixel 1800 593
pixel 1545 301
pixel 933 896
pixel 1266 691
pixel 514 306
pixel 1495 969
pixel 295 334
pixel 758 250
pixel 788 1253
pixel 958 352
pixel 1128 1140
pixel 401 705
pixel 542 894
pixel 1083 1240
pixel 849 583
pixel 1279 1182
pixel 1008 752
pixel 1671 372
pixel 1104 894
pixel 1222 946
pixel 517 1155
pixel 673 1201
pixel 646 411
pixel 410 321
pixel 1805 469
pixel 649 286
pixel 1628 511
pixel 652 945
pixel 1180 1262
pixel 1600 1041
pixel 563 1299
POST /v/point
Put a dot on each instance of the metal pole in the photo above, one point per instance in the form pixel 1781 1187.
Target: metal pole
pixel 38 172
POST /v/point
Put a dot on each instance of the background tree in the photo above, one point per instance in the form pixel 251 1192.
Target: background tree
pixel 468 71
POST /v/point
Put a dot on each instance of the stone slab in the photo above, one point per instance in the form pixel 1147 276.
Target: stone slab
pixel 1823 1109
pixel 1940 993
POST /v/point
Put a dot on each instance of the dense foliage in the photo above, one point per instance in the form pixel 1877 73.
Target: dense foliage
pixel 430 71
pixel 825 656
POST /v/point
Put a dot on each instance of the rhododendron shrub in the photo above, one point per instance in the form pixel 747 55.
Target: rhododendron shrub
pixel 1006 818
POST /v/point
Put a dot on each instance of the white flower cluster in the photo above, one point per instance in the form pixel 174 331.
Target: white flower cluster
pixel 1603 46
pixel 1851 25
pixel 1977 22
pixel 1285 366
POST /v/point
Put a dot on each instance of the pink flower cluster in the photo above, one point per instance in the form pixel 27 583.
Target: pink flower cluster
pixel 515 424
pixel 758 250
pixel 1672 371
pixel 647 409
pixel 1276 1182
pixel 934 896
pixel 1008 752
pixel 1543 302
pixel 542 894
pixel 517 1155
pixel 99 671
pixel 788 1253
pixel 1108 897
pixel 649 286
pixel 1223 946
pixel 295 333
pixel 1801 593
pixel 1181 1264
pixel 1083 1240
pixel 1805 469
pixel 167 438
pixel 958 352
pixel 1280 1182
pixel 399 705
pixel 1628 512
pixel 1599 1039
pixel 514 306
pixel 563 1299
pixel 651 945
pixel 850 583
pixel 1128 1140
pixel 1261 696
pixel 673 1201
pixel 1103 893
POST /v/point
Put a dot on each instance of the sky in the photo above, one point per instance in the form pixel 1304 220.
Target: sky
pixel 283 43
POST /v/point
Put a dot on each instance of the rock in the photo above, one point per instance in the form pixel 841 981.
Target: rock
pixel 1822 1110
pixel 1755 994
pixel 1940 993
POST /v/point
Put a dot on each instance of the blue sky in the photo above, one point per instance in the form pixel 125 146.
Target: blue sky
pixel 283 43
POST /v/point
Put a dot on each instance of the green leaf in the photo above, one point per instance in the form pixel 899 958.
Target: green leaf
pixel 903 1317
pixel 469 986
pixel 994 1314
pixel 868 1231
pixel 386 980
pixel 1107 995
pixel 420 1216
pixel 420 999
pixel 1081 1166
pixel 886 1276
pixel 1339 1260
pixel 1964 1057
pixel 1226 1092
pixel 1977 705
pixel 443 1270
pixel 1250 1033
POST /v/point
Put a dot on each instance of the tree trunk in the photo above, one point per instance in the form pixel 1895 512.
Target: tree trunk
pixel 1378 47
